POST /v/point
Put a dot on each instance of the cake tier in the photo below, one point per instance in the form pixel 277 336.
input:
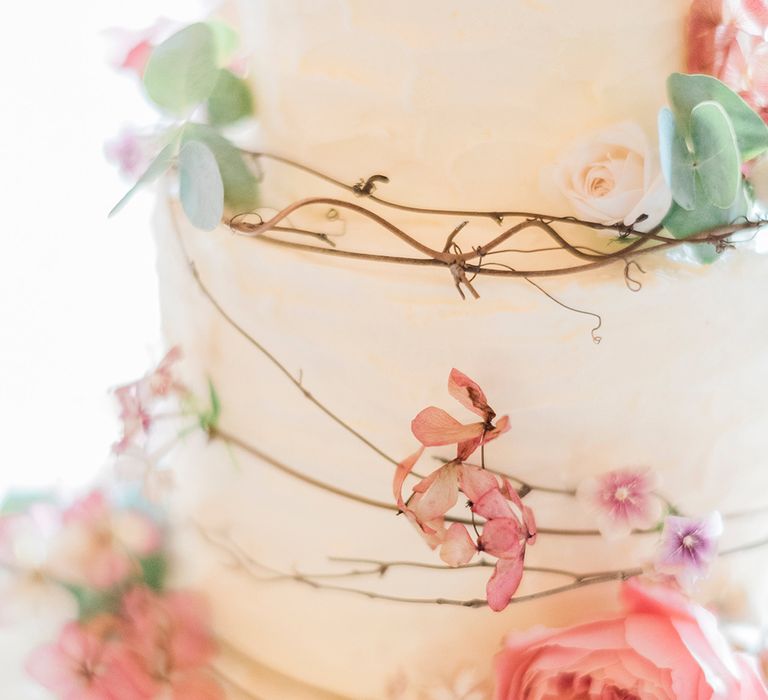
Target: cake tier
pixel 677 384
pixel 461 105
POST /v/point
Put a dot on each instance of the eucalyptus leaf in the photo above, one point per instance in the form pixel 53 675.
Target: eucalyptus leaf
pixel 182 71
pixel 676 160
pixel 687 91
pixel 154 570
pixel 718 161
pixel 240 185
pixel 156 168
pixel 704 217
pixel 225 40
pixel 201 189
pixel 230 101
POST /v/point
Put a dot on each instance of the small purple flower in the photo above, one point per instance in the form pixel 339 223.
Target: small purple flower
pixel 688 547
pixel 622 500
pixel 130 152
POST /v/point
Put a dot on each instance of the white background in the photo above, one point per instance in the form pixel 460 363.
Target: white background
pixel 78 298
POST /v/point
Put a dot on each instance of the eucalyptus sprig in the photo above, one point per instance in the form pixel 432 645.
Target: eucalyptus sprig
pixel 704 138
pixel 185 75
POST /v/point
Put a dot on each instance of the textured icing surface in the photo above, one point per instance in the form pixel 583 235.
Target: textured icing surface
pixel 460 103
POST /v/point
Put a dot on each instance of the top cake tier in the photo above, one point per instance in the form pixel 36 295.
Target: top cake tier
pixel 461 103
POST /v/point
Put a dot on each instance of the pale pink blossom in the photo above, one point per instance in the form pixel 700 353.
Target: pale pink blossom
pixel 129 50
pixel 130 152
pixel 99 546
pixel 663 647
pixel 87 663
pixel 613 176
pixel 727 39
pixel 138 399
pixel 688 547
pixel 622 500
pixel 170 636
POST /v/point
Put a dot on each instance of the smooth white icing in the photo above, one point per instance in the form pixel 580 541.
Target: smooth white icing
pixel 461 104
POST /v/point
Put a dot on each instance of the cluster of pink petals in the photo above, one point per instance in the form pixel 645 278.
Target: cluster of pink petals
pixel 158 646
pixel 130 152
pixel 99 546
pixel 622 500
pixel 509 525
pixel 137 400
pixel 727 39
pixel 664 647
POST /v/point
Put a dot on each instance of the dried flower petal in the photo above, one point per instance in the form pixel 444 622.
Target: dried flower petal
pixel 688 547
pixel 457 548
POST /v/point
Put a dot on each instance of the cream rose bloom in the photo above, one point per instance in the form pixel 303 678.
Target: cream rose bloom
pixel 613 176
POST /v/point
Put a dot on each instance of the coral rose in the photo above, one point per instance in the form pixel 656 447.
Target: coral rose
pixel 613 176
pixel 663 648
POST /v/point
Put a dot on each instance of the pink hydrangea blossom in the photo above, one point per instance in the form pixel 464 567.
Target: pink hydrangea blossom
pixel 433 426
pixel 138 399
pixel 99 546
pixel 170 636
pixel 726 39
pixel 621 501
pixel 688 547
pixel 88 663
pixel 663 646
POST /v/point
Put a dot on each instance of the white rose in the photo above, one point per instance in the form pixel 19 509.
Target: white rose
pixel 613 176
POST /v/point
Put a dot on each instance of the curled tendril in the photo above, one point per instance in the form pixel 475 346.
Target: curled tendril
pixel 633 284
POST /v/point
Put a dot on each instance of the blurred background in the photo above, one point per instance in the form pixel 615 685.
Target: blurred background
pixel 78 298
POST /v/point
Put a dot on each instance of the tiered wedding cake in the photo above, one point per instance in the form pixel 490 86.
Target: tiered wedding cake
pixel 463 106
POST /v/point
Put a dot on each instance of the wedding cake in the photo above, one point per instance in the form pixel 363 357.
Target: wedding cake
pixel 452 122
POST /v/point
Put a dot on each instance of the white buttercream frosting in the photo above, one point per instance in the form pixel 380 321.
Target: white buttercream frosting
pixel 460 104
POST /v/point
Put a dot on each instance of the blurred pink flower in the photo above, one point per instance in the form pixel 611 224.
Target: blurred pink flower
pixel 688 547
pixel 621 501
pixel 726 39
pixel 87 663
pixel 130 152
pixel 170 636
pixel 129 50
pixel 138 399
pixel 663 647
pixel 99 546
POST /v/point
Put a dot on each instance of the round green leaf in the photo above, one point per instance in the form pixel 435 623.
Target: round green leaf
pixel 240 185
pixel 201 189
pixel 225 40
pixel 687 91
pixel 718 161
pixel 182 72
pixel 230 100
pixel 156 168
pixel 676 160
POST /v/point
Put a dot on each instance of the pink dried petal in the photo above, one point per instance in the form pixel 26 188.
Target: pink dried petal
pixel 493 505
pixel 504 582
pixel 196 685
pixel 688 547
pixel 457 548
pixel 759 70
pixel 469 394
pixel 136 58
pixel 402 471
pixel 502 537
pixel 465 449
pixel 476 482
pixel 703 21
pixel 433 426
pixel 529 520
pixel 439 493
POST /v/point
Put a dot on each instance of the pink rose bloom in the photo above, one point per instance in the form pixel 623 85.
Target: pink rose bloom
pixel 663 648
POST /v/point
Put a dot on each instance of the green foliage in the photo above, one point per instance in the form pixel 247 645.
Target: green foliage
pixel 16 502
pixel 230 100
pixel 154 570
pixel 201 189
pixel 703 141
pixel 182 71
pixel 240 186
pixel 687 91
pixel 157 167
pixel 210 418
